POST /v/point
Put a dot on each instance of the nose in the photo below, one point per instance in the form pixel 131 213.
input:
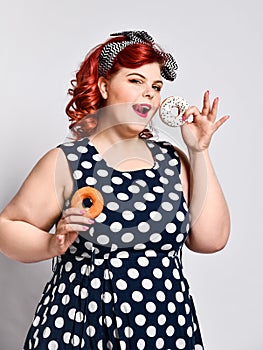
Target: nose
pixel 148 92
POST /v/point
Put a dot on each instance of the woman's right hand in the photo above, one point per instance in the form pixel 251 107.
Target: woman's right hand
pixel 68 227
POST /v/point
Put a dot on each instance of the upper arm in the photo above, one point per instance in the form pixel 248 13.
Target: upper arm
pixel 40 199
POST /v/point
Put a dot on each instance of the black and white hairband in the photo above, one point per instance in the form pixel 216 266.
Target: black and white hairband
pixel 111 50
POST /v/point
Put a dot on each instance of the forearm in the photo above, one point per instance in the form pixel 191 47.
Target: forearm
pixel 24 242
pixel 210 219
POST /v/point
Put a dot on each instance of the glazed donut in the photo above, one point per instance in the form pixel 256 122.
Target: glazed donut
pixel 166 107
pixel 94 195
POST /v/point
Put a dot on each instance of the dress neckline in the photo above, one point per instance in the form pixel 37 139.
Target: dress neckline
pixel 147 142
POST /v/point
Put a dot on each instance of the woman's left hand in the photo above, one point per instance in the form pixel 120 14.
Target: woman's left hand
pixel 197 134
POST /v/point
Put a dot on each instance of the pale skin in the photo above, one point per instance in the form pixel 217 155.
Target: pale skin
pixel 27 219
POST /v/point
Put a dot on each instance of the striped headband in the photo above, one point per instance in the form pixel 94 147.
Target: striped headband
pixel 111 50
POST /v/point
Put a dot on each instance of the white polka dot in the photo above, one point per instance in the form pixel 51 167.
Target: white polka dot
pixel 52 345
pixel 143 227
pixel 72 157
pixel 173 196
pixel 171 307
pixel 140 320
pixel 150 197
pixel 160 157
pixel 128 175
pixel 179 237
pixel 157 272
pixel 187 309
pixel 170 331
pixel 181 320
pixel 116 226
pixel 169 172
pixel 128 331
pixel 82 149
pixel 178 187
pixel 160 296
pixel 95 283
pixel 190 332
pixel 118 321
pixel 91 331
pixel 125 308
pixel 166 247
pixel 139 246
pixel 134 189
pixel 122 196
pixel 92 306
pixel 141 183
pixel 68 266
pixel 103 239
pixel 176 274
pixel 116 180
pixel 167 206
pixel 179 297
pixel 161 319
pixel 91 181
pixel 106 297
pixel 107 189
pixel 133 273
pixel 59 322
pixel 180 343
pixel 137 296
pixel 75 340
pixel 46 332
pixel 151 331
pixel 127 237
pixel 127 215
pixel 159 343
pixel 116 262
pixel 123 255
pixel 173 162
pixel 54 310
pixel 102 173
pixel 158 189
pixel 68 144
pixel 97 157
pixel 121 284
pixel 86 165
pixel 61 288
pixel 149 173
pixel 77 174
pixel 143 261
pixel 36 321
pixel 185 206
pixel 141 344
pixel 155 237
pixel 150 307
pixel 155 216
pixel 101 218
pixel 150 253
pixel 180 216
pixel 170 228
pixel 164 180
pixel 83 293
pixel 113 206
pixel 107 321
pixel 139 206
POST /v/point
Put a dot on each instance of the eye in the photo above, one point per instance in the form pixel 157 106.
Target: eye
pixel 157 88
pixel 135 81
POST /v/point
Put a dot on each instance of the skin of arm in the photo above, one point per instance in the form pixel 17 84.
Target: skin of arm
pixel 27 219
pixel 210 218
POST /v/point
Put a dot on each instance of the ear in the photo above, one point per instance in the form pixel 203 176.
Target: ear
pixel 103 87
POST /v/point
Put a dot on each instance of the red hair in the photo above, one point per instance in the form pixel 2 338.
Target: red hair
pixel 86 98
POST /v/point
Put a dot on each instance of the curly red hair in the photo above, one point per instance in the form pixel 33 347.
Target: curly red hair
pixel 86 98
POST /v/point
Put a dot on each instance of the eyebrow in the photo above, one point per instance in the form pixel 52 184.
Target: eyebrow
pixel 142 76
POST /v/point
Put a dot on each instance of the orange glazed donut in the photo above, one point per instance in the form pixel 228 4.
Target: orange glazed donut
pixel 94 195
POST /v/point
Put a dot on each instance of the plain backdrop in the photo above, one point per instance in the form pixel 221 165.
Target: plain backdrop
pixel 218 46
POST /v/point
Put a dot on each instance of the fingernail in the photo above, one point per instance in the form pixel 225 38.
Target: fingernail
pixel 85 228
pixel 91 221
pixel 82 211
pixel 208 92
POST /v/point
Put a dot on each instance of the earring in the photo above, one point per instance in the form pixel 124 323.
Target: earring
pixel 153 131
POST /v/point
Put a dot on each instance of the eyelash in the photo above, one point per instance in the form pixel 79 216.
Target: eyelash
pixel 156 87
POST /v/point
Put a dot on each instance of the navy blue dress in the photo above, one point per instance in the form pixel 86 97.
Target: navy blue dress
pixel 120 285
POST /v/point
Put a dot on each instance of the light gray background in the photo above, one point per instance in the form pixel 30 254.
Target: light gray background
pixel 218 46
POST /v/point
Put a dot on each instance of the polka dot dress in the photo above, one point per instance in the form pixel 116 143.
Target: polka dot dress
pixel 120 285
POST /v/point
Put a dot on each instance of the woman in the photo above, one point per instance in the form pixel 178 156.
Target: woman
pixel 118 280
